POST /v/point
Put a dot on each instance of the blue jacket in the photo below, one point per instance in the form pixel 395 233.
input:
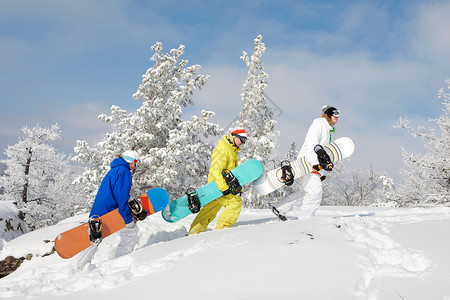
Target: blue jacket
pixel 114 191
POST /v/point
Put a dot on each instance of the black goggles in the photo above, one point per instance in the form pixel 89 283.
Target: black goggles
pixel 242 138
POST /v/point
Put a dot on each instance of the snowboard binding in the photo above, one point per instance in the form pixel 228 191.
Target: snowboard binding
pixel 232 181
pixel 287 176
pixel 193 202
pixel 137 209
pixel 324 159
pixel 95 230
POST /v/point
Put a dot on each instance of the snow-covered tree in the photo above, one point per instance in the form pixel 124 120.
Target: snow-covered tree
pixel 427 176
pixel 173 151
pixel 11 223
pixel 38 179
pixel 353 187
pixel 257 118
pixel 292 154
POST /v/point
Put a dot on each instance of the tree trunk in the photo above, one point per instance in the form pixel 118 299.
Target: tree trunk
pixel 27 173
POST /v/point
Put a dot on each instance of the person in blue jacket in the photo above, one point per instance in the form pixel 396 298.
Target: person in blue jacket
pixel 114 192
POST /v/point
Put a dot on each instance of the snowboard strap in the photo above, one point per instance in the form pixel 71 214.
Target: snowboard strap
pixel 95 230
pixel 324 159
pixel 193 202
pixel 232 181
pixel 286 173
pixel 137 209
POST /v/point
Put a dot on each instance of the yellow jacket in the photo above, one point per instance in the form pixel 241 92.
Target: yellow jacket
pixel 224 156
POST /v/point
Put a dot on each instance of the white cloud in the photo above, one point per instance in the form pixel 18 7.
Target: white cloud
pixel 80 122
pixel 431 34
pixel 222 93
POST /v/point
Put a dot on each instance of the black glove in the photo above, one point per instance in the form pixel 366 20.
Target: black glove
pixel 324 158
pixel 140 216
pixel 317 167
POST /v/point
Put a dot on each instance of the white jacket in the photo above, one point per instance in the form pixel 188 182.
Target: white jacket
pixel 318 134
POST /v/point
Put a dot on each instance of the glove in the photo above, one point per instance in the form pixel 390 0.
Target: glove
pixel 140 216
pixel 328 167
pixel 132 224
pixel 226 192
pixel 317 167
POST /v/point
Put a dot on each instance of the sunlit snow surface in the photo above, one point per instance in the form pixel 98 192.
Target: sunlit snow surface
pixel 341 253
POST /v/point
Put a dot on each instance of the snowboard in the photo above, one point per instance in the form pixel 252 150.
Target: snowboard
pixel 75 240
pixel 271 181
pixel 178 208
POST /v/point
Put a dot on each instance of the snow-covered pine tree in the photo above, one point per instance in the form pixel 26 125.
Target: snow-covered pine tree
pixel 173 152
pixel 38 179
pixel 257 118
pixel 427 176
pixel 292 154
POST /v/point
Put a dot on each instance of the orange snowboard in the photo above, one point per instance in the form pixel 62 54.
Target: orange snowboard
pixel 73 241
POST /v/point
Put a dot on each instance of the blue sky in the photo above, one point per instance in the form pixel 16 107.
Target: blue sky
pixel 66 62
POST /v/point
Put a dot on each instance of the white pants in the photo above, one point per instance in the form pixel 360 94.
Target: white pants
pixel 309 203
pixel 128 240
pixel 86 256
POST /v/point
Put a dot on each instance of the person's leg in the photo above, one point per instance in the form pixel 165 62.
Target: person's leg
pixel 233 205
pixel 205 216
pixel 128 239
pixel 312 186
pixel 86 256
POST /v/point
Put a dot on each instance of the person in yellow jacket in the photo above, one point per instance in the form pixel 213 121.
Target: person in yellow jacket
pixel 224 157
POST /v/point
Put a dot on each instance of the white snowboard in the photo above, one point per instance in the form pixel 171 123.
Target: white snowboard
pixel 271 181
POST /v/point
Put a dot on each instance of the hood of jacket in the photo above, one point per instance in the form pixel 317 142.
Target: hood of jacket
pixel 119 162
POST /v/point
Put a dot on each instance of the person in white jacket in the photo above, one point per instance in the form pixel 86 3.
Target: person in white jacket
pixel 319 133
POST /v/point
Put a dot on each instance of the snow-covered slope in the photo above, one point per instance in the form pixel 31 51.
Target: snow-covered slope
pixel 342 253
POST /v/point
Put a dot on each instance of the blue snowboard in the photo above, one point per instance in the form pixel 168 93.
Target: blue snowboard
pixel 178 209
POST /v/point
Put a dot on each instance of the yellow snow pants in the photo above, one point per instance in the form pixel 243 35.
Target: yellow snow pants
pixel 232 204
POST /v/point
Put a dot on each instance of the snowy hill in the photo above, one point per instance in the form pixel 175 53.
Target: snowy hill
pixel 342 253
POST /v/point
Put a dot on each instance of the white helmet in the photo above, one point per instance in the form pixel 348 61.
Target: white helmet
pixel 131 156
